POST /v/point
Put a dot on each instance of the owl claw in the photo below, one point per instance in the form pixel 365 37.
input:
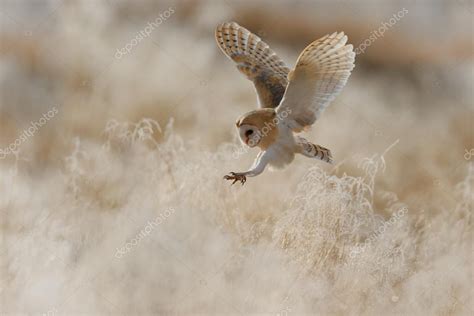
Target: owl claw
pixel 236 177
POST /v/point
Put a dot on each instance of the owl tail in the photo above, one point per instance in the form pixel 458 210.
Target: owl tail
pixel 313 151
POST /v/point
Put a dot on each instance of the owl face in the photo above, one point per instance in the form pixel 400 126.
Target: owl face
pixel 249 134
pixel 257 128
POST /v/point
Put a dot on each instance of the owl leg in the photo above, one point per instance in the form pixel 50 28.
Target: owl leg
pixel 311 150
pixel 258 166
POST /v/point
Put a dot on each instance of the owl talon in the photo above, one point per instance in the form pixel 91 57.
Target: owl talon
pixel 236 177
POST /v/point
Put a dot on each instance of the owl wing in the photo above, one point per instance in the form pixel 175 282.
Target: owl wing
pixel 321 71
pixel 256 61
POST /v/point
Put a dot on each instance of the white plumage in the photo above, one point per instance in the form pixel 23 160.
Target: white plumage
pixel 320 74
pixel 290 101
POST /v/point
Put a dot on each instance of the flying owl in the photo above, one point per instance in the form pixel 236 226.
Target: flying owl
pixel 290 101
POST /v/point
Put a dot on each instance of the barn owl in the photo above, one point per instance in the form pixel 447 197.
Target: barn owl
pixel 290 101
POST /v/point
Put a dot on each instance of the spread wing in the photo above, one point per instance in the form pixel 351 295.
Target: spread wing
pixel 256 61
pixel 321 71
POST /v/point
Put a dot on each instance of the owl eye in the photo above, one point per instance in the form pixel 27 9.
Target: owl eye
pixel 248 133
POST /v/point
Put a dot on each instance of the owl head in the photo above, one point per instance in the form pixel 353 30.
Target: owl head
pixel 255 128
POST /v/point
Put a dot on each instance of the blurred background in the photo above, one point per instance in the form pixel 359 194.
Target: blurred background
pixel 413 83
pixel 75 76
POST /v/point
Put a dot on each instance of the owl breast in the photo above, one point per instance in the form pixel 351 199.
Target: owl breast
pixel 282 151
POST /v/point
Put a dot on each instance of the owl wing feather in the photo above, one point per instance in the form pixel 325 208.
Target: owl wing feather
pixel 321 71
pixel 256 61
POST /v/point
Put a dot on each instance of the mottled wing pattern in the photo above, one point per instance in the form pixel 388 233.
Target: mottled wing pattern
pixel 314 151
pixel 320 74
pixel 256 61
